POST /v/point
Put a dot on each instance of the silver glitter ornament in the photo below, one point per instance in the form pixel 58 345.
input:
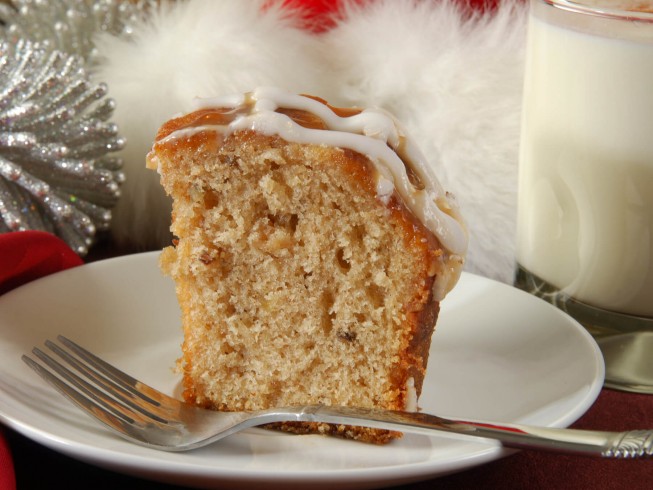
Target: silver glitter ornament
pixel 55 138
pixel 56 174
pixel 71 25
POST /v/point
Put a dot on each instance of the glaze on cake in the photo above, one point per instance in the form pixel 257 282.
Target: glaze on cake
pixel 313 248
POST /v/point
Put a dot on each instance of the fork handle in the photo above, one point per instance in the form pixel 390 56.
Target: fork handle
pixel 630 444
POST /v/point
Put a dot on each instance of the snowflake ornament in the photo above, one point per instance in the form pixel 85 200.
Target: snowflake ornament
pixel 56 169
pixel 56 174
pixel 70 25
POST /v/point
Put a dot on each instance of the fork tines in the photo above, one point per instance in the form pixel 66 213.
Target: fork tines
pixel 100 389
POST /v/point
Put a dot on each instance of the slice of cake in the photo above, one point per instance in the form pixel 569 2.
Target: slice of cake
pixel 313 248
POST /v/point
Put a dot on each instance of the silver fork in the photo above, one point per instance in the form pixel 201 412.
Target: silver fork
pixel 150 418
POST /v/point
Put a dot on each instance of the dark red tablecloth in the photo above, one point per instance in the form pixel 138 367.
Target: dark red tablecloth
pixel 32 254
pixel 7 473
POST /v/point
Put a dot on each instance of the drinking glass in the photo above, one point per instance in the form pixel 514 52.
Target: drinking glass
pixel 585 210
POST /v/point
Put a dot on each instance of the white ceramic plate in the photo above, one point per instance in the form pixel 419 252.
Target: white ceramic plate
pixel 498 354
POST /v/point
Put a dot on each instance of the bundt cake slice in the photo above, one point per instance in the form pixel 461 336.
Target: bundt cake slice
pixel 312 249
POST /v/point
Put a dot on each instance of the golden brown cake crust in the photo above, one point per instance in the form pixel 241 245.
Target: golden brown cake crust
pixel 198 202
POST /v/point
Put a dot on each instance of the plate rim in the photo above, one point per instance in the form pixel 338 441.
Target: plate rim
pixel 400 473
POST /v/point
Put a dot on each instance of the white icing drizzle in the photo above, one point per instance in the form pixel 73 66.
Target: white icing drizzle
pixel 373 133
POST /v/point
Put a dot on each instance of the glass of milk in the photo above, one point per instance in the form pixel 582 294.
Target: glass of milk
pixel 585 212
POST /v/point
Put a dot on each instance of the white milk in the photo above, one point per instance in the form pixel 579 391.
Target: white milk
pixel 585 220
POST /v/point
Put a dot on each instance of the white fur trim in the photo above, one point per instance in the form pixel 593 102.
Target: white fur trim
pixel 456 84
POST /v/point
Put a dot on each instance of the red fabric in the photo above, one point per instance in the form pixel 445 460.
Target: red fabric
pixel 321 15
pixel 28 255
pixel 25 256
pixel 7 476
